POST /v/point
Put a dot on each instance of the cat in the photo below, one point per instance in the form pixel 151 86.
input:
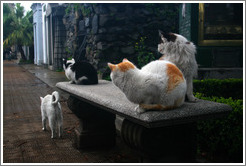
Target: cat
pixel 178 50
pixel 159 85
pixel 51 110
pixel 80 72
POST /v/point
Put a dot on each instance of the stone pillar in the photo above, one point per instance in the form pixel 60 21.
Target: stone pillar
pixel 38 38
pixel 165 144
pixel 97 127
pixel 59 37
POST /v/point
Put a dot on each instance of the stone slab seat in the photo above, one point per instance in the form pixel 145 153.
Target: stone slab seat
pixel 156 136
pixel 108 97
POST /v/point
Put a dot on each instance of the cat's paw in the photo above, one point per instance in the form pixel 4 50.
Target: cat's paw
pixel 53 136
pixel 139 110
pixel 70 82
pixel 192 99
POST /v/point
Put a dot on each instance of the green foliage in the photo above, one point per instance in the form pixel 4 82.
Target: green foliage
pixel 70 58
pixel 85 11
pixel 59 70
pixel 68 9
pixel 215 87
pixel 19 10
pixel 78 7
pixel 22 61
pixel 158 10
pixel 6 9
pixel 168 11
pixel 8 17
pixel 19 28
pixel 143 55
pixel 222 139
pixel 68 51
pixel 107 78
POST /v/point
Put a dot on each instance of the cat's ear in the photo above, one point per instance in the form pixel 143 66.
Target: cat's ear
pixel 112 66
pixel 41 99
pixel 160 33
pixel 167 36
pixel 125 60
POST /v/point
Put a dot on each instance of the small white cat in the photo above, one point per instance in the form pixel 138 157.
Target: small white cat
pixel 178 50
pixel 159 85
pixel 51 109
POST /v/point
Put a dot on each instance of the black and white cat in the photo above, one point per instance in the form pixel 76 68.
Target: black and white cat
pixel 80 72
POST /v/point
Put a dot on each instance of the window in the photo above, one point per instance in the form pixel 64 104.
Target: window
pixel 220 24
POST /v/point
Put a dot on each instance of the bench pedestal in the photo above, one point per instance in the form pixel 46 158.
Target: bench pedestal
pixel 97 127
pixel 158 136
pixel 165 144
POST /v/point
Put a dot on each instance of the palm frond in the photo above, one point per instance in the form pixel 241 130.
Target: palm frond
pixel 19 29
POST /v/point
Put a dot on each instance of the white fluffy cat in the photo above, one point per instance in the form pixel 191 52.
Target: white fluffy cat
pixel 178 50
pixel 51 110
pixel 159 85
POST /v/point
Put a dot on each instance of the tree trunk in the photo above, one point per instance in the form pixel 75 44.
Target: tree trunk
pixel 23 57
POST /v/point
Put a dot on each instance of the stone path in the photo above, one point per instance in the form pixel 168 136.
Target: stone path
pixel 23 139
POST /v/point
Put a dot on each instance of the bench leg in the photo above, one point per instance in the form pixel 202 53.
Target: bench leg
pixel 97 127
pixel 165 144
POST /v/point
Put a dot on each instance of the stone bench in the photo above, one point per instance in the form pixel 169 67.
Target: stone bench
pixel 168 136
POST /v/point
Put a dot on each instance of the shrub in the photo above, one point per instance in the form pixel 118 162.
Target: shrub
pixel 222 88
pixel 222 139
pixel 59 70
pixel 25 61
pixel 144 56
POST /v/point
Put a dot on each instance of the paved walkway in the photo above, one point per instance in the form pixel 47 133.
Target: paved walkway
pixel 23 139
pixel 49 77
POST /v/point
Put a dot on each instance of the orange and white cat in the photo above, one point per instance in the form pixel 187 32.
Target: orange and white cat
pixel 159 85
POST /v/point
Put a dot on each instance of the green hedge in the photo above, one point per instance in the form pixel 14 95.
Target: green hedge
pixel 222 88
pixel 222 140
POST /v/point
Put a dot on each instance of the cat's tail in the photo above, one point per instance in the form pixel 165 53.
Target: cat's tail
pixel 176 104
pixel 55 97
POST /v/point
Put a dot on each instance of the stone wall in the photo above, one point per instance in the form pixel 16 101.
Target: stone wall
pixel 113 31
